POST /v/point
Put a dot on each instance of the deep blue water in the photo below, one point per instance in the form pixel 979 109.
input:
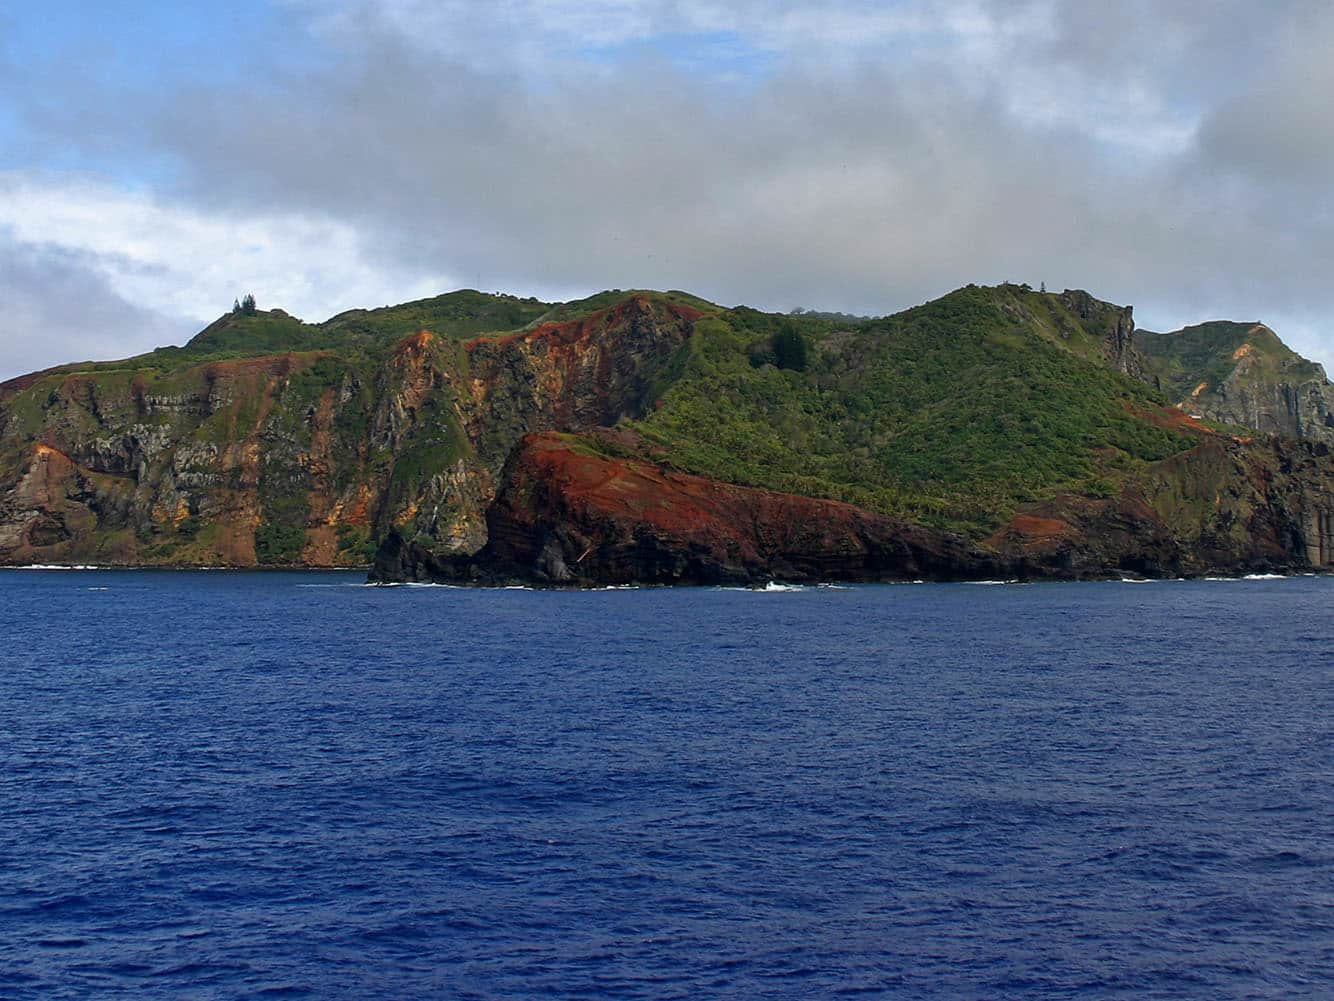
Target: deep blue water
pixel 219 785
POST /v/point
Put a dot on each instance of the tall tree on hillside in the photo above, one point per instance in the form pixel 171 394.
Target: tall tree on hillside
pixel 790 348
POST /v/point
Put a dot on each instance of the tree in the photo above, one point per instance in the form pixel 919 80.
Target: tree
pixel 248 304
pixel 236 305
pixel 790 348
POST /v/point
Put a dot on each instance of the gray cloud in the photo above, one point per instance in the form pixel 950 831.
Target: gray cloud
pixel 1104 147
pixel 57 309
pixel 1281 130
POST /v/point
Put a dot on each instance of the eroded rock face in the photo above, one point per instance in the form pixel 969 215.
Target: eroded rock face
pixel 574 376
pixel 586 373
pixel 307 458
pixel 1115 324
pixel 1299 408
pixel 567 515
pixel 491 459
pixel 1242 374
pixel 1227 506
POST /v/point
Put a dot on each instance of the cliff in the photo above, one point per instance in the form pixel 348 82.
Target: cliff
pixel 656 437
pixel 568 513
pixel 308 457
pixel 1241 374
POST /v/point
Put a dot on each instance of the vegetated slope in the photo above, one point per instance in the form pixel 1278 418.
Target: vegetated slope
pixel 1004 416
pixel 952 413
pixel 992 430
pixel 1241 373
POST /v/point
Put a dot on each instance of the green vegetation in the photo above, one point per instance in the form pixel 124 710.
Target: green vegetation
pixel 953 413
pixel 248 333
pixel 435 444
pixel 785 349
pixel 573 310
pixel 461 314
pixel 279 544
pixel 355 542
pixel 1208 353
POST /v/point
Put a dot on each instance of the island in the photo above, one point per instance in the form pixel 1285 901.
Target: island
pixel 640 437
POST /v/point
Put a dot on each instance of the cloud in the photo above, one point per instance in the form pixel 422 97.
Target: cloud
pixel 90 271
pixel 863 186
pixel 533 32
pixel 839 156
pixel 189 261
pixel 1279 130
pixel 59 309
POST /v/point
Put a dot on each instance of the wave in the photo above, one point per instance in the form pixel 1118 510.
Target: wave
pixel 773 587
pixel 1255 576
pixel 391 583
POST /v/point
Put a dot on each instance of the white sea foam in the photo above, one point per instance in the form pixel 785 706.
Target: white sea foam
pixel 773 587
pixel 1252 576
pixel 393 583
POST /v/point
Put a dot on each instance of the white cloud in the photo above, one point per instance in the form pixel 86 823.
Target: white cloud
pixel 189 262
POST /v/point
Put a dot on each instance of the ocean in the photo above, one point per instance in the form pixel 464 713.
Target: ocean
pixel 291 785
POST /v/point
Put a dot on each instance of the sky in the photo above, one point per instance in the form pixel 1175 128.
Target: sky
pixel 158 160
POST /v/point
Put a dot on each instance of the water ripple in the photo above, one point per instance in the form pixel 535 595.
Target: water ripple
pixel 290 786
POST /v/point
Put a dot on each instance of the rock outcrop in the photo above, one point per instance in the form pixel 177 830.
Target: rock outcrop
pixel 1115 326
pixel 305 458
pixel 1228 505
pixel 1242 374
pixel 568 515
pixel 1295 406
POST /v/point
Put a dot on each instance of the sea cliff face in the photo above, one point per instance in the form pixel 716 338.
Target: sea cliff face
pixel 569 514
pixel 1242 374
pixel 305 458
pixel 1225 506
pixel 134 466
pixel 657 438
pixel 576 511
